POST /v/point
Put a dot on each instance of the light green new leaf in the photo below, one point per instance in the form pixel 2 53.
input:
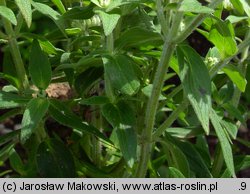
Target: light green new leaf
pixel 224 142
pixel 222 36
pixel 39 67
pixel 236 76
pixel 194 6
pixel 10 100
pixel 59 5
pixel 25 9
pixel 109 21
pixel 246 6
pixel 238 6
pixel 8 14
pixel 121 74
pixel 196 83
pixel 33 115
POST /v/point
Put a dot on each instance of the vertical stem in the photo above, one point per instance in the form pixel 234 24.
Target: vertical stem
pixel 14 49
pixel 146 137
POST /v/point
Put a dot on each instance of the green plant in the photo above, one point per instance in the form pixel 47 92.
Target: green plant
pixel 123 117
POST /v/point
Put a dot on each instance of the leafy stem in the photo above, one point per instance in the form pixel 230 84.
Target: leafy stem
pixel 14 49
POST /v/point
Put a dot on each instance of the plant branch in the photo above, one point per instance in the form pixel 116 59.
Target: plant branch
pixel 195 23
pixel 173 116
pixel 14 49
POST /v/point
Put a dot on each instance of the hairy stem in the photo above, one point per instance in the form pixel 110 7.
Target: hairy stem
pixel 16 55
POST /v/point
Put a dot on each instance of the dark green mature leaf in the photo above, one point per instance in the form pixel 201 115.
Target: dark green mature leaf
pixel 120 71
pixel 33 115
pixel 196 162
pixel 51 13
pixel 95 100
pixel 176 158
pixel 63 115
pixel 194 6
pixel 174 173
pixel 16 162
pixel 39 67
pixel 222 36
pixel 11 79
pixel 4 151
pixel 8 14
pixel 10 100
pixel 236 76
pixel 196 83
pixel 54 160
pixel 127 143
pixel 224 142
pixel 25 8
pixel 122 118
pixel 109 21
pixel 8 137
pixel 79 13
pixel 138 36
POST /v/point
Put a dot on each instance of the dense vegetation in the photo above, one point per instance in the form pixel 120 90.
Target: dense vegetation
pixel 114 88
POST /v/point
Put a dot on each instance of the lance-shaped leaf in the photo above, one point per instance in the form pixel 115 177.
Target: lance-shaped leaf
pixel 39 67
pixel 25 9
pixel 121 73
pixel 196 83
pixel 33 115
pixel 10 100
pixel 54 160
pixel 122 118
pixel 109 21
pixel 8 14
pixel 224 142
pixel 51 13
pixel 63 115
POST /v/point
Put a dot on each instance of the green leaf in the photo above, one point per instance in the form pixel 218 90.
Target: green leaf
pixel 236 76
pixel 8 137
pixel 54 160
pixel 246 6
pixel 194 6
pixel 147 91
pixel 176 158
pixel 109 21
pixel 5 150
pixel 8 14
pixel 33 115
pixel 238 6
pixel 184 132
pixel 51 13
pixel 95 100
pixel 137 37
pixel 174 173
pixel 120 113
pixel 39 67
pixel 25 8
pixel 231 128
pixel 16 162
pixel 59 5
pixel 233 111
pixel 121 73
pixel 63 115
pixel 127 143
pixel 10 100
pixel 80 13
pixel 224 142
pixel 196 83
pixel 222 36
pixel 11 79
